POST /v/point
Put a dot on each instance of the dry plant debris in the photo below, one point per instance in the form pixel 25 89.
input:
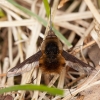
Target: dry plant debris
pixel 6 97
pixel 21 36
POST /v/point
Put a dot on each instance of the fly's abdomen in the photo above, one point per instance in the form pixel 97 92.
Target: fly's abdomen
pixel 52 66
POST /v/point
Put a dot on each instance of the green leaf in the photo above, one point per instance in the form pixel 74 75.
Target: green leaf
pixel 47 7
pixel 31 87
pixel 42 21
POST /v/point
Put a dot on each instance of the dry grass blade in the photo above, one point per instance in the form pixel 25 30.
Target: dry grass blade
pixel 62 3
pixel 93 10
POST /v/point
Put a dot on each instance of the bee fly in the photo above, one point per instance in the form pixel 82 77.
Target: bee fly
pixel 51 58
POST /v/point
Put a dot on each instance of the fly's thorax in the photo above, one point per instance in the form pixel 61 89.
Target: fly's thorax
pixel 51 43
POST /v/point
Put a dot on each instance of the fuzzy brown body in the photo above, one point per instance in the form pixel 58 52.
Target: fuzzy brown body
pixel 51 61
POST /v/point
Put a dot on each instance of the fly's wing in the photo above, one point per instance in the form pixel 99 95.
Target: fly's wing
pixel 75 63
pixel 25 66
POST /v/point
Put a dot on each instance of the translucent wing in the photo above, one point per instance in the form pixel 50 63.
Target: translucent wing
pixel 26 65
pixel 75 63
